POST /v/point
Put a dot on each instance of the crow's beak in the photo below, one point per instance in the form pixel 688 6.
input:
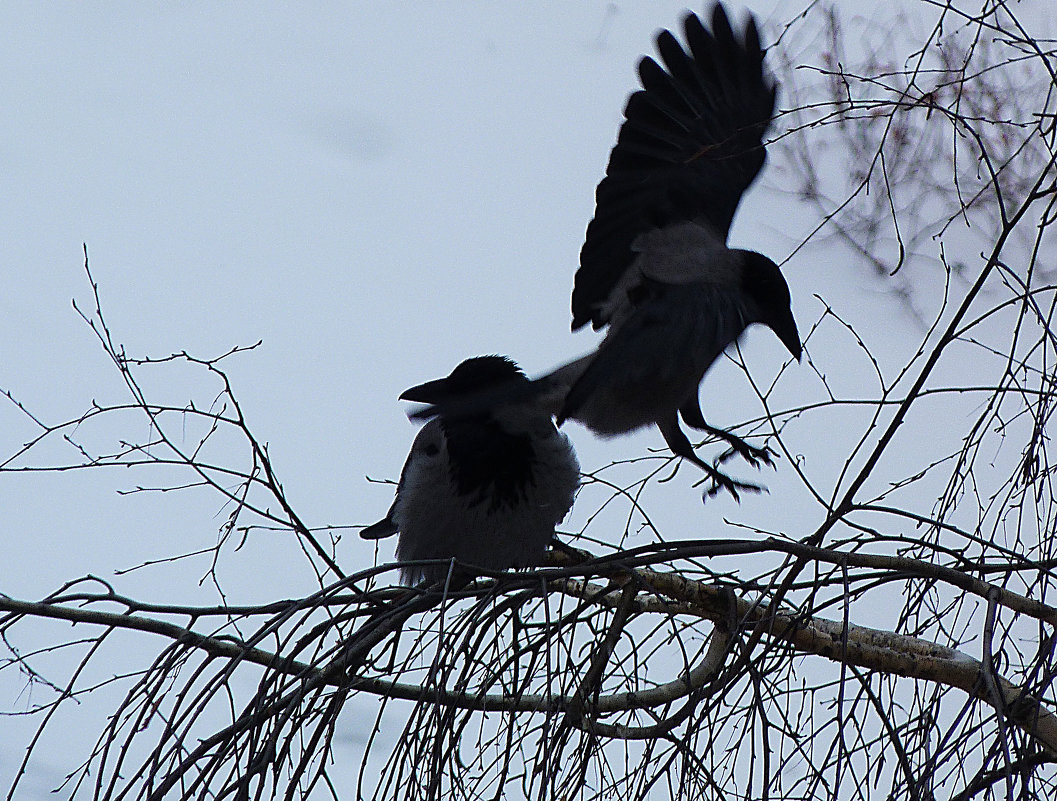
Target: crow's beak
pixel 430 392
pixel 785 328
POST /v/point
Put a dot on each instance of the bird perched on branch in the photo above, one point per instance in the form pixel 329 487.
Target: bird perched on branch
pixel 655 267
pixel 486 489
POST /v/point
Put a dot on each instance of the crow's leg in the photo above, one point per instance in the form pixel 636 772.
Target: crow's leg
pixel 692 416
pixel 681 446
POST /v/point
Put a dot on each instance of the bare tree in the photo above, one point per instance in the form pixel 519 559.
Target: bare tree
pixel 740 667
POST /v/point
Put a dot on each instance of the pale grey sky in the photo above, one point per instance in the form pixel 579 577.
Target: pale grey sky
pixel 376 192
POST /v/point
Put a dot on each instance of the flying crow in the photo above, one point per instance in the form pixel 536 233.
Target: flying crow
pixel 655 269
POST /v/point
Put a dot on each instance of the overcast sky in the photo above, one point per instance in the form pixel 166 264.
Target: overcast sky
pixel 375 191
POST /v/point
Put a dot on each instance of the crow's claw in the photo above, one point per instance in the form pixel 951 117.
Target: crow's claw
pixel 751 454
pixel 721 482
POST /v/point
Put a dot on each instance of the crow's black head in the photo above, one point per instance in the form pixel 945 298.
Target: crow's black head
pixel 763 283
pixel 473 375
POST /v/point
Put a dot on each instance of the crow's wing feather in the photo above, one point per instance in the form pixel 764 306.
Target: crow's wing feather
pixel 690 145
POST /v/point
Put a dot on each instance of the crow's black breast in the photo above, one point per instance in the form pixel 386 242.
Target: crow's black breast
pixel 489 463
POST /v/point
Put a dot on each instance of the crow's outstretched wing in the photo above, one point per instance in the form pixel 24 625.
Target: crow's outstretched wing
pixel 690 145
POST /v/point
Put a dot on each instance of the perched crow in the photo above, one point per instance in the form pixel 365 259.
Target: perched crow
pixel 655 267
pixel 487 488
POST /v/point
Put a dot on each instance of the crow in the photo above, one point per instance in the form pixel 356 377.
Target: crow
pixel 486 489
